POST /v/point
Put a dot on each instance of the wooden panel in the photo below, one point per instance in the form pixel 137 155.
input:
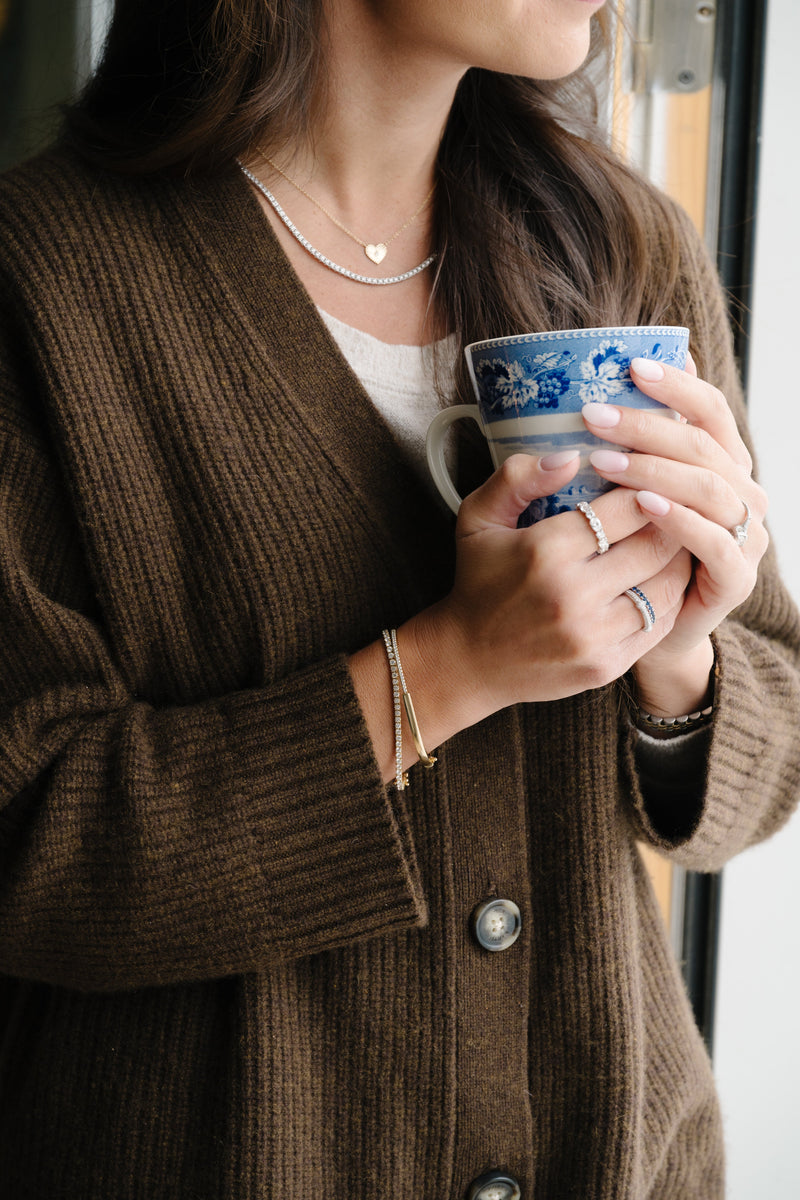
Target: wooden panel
pixel 660 872
pixel 686 152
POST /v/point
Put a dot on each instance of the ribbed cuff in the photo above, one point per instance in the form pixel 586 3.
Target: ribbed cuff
pixel 333 845
pixel 750 777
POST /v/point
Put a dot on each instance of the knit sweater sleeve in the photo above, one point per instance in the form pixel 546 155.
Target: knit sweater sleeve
pixel 143 845
pixel 752 771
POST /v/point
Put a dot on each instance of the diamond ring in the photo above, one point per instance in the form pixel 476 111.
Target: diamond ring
pixel 739 532
pixel 596 526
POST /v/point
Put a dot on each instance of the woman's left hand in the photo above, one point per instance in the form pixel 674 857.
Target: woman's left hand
pixel 693 479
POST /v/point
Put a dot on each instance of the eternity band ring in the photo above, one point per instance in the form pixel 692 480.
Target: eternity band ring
pixel 739 532
pixel 596 526
pixel 644 606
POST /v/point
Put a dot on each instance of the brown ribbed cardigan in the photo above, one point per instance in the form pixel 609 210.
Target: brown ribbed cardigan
pixel 236 965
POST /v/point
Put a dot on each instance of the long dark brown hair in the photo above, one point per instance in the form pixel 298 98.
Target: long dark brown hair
pixel 537 223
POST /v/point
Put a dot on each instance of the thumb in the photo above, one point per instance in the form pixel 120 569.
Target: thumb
pixel 509 491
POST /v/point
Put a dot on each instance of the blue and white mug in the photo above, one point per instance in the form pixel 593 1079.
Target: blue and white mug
pixel 530 391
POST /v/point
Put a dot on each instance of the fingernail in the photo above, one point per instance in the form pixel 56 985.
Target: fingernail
pixel 551 462
pixel 648 369
pixel 605 416
pixel 651 502
pixel 610 461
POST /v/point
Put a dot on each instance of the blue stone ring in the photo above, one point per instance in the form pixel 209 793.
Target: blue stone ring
pixel 644 606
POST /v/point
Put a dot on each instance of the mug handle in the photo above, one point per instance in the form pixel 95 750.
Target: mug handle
pixel 434 448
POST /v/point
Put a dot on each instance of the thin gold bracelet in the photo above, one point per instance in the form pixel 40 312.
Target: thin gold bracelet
pixel 427 760
pixel 401 691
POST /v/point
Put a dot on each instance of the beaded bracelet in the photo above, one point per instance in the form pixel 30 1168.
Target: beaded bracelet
pixel 666 727
pixel 399 690
pixel 670 726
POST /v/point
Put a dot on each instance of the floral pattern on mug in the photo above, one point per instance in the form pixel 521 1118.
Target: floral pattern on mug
pixel 531 388
pixel 606 371
pixel 671 357
pixel 533 383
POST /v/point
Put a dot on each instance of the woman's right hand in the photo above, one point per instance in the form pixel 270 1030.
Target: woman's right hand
pixel 536 614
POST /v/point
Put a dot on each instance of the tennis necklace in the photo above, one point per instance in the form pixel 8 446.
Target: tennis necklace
pixel 379 249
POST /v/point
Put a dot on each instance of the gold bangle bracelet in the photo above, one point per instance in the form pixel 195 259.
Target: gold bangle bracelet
pixel 427 760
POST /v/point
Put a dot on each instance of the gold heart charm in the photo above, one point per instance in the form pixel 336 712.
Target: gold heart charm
pixel 376 253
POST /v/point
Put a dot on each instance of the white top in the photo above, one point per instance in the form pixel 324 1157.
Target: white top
pixel 399 382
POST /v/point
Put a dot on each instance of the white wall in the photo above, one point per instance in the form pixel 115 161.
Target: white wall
pixel 91 17
pixel 757 1044
pixel 100 15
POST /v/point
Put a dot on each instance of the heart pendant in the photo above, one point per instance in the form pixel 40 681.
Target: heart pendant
pixel 376 253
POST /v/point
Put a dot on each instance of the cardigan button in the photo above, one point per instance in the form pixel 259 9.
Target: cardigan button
pixel 497 924
pixel 495 1185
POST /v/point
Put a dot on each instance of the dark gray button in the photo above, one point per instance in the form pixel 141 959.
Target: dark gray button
pixel 495 1185
pixel 497 924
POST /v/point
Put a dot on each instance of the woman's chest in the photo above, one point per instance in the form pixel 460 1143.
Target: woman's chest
pixel 234 533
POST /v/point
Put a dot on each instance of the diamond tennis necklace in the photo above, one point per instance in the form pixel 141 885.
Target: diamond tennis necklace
pixel 320 257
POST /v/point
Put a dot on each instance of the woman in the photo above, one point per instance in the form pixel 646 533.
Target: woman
pixel 240 960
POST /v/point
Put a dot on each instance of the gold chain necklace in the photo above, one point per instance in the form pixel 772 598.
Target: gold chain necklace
pixel 382 280
pixel 375 251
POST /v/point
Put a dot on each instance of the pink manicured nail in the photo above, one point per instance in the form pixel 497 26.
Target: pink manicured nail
pixel 647 369
pixel 610 461
pixel 651 502
pixel 604 416
pixel 551 462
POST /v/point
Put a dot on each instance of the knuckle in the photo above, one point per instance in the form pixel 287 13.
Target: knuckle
pixel 747 463
pixel 638 421
pixel 718 402
pixel 716 491
pixel 544 538
pixel 675 588
pixel 700 442
pixel 573 646
pixel 664 545
pixel 575 642
pixel 548 548
pixel 508 469
pixel 597 674
pixel 555 612
pixel 514 469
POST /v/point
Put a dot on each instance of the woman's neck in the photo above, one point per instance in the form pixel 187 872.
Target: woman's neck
pixel 368 166
pixel 381 113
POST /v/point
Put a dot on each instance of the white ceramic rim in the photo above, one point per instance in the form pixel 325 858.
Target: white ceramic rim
pixel 525 339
